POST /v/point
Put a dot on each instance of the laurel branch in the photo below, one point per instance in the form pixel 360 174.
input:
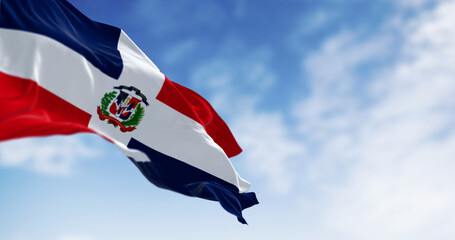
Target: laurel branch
pixel 108 97
pixel 136 118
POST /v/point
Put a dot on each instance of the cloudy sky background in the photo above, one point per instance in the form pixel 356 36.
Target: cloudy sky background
pixel 345 111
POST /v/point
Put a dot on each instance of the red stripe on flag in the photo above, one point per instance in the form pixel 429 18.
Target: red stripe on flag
pixel 192 105
pixel 28 110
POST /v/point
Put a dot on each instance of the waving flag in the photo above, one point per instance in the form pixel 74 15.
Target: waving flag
pixel 62 73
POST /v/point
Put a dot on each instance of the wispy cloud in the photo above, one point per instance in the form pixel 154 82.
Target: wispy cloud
pixel 53 155
pixel 415 3
pixel 270 152
pixel 234 85
pixel 76 238
pixel 180 52
pixel 383 149
pixel 237 87
pixel 180 16
pixel 308 24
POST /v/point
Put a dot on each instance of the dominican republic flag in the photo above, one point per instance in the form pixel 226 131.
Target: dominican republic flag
pixel 62 73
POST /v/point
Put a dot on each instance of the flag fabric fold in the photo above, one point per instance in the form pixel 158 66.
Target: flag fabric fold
pixel 62 73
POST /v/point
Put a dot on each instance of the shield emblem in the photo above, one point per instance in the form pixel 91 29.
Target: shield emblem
pixel 124 107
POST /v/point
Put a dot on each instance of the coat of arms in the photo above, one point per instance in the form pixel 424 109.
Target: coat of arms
pixel 124 108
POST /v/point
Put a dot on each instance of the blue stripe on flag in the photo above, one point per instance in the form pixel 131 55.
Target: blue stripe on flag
pixel 59 20
pixel 169 173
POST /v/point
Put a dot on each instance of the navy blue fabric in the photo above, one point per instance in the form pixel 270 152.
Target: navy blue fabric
pixel 169 173
pixel 60 21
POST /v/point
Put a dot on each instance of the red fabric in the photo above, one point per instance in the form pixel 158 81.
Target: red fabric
pixel 192 105
pixel 27 110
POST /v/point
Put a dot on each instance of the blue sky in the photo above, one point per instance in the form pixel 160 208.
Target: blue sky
pixel 345 111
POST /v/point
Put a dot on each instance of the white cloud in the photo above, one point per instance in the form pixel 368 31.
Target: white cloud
pixel 180 51
pixel 238 86
pixel 415 3
pixel 76 238
pixel 310 23
pixel 268 148
pixel 178 16
pixel 383 149
pixel 250 75
pixel 235 84
pixel 53 155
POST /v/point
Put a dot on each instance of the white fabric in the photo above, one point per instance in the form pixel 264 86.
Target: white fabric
pixel 70 76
